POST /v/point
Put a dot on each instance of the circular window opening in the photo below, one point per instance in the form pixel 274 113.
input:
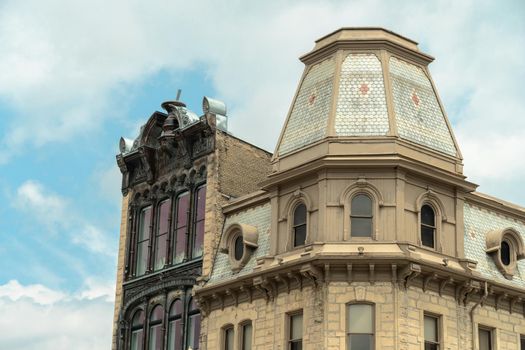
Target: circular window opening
pixel 239 248
pixel 505 253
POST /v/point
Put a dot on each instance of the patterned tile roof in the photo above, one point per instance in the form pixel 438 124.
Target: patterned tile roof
pixel 478 222
pixel 419 117
pixel 361 104
pixel 259 217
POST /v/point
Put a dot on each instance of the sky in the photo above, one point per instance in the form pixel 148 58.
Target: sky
pixel 75 76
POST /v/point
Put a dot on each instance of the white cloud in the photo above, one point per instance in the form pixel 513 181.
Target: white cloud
pixel 57 214
pixel 64 82
pixel 94 288
pixel 34 316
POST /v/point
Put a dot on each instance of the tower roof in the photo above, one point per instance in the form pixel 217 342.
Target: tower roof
pixel 367 83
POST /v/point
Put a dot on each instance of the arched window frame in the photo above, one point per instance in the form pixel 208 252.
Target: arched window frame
pixel 431 199
pixel 133 328
pixel 297 198
pixel 495 238
pixel 191 312
pixel 249 236
pixel 175 243
pixel 240 334
pixel 361 186
pixel 194 221
pixel 156 323
pixel 374 320
pixel 149 234
pixel 156 235
pixel 223 336
pixel 172 318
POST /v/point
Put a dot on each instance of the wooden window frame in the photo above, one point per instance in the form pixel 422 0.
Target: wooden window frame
pixel 347 331
pixel 289 340
pixel 438 319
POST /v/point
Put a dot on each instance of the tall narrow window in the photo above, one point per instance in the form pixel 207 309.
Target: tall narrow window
pixel 246 336
pixel 162 233
pixel 428 226
pixel 522 342
pixel 299 225
pixel 295 336
pixel 361 216
pixel 485 339
pixel 360 327
pixel 200 209
pixel 431 332
pixel 227 338
pixel 143 241
pixel 137 331
pixel 175 326
pixel 194 325
pixel 181 228
pixel 155 329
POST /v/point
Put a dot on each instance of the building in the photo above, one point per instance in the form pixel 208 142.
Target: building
pixel 361 232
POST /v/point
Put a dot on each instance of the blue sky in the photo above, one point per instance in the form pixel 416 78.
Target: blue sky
pixel 77 75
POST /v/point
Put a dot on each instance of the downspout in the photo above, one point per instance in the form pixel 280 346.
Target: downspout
pixel 480 301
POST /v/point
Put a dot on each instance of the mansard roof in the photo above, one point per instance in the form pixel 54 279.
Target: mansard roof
pixel 363 83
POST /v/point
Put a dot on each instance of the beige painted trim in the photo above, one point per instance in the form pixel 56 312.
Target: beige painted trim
pixel 385 62
pixel 335 93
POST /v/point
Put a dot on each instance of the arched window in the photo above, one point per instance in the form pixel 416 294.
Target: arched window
pixel 360 327
pixel 238 248
pixel 299 225
pixel 181 227
pixel 137 331
pixel 200 209
pixel 428 226
pixel 175 326
pixel 155 328
pixel 227 338
pixel 162 233
pixel 361 216
pixel 246 335
pixel 143 238
pixel 505 253
pixel 194 325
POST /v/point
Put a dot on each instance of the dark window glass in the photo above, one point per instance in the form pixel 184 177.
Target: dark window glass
pixel 485 339
pixel 162 234
pixel 361 216
pixel 299 225
pixel 194 326
pixel 295 340
pixel 228 338
pixel 175 326
pixel 246 341
pixel 181 227
pixel 155 328
pixel 428 228
pixel 137 332
pixel 143 241
pixel 522 343
pixel 200 207
pixel 505 253
pixel 360 327
pixel 239 248
pixel 431 325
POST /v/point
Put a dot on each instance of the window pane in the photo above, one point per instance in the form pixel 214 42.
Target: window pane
pixel 296 345
pixel 361 205
pixel 228 339
pixel 296 326
pixel 431 329
pixel 136 340
pixel 181 228
pixel 157 314
pixel 201 203
pixel 155 338
pixel 299 235
pixel 427 236
pixel 176 308
pixel 505 253
pixel 239 248
pixel 299 215
pixel 138 319
pixel 160 251
pixel 360 318
pixel 427 215
pixel 361 227
pixel 522 343
pixel 144 223
pixel 142 258
pixel 485 341
pixel 360 342
pixel 247 337
pixel 164 214
pixel 199 239
pixel 175 335
pixel 194 328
